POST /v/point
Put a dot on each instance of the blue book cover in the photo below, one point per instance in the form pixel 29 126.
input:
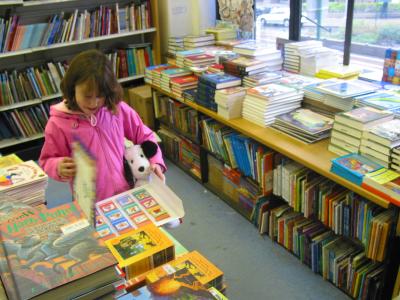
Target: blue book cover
pixel 217 79
pixel 129 59
pixel 37 35
pixel 27 36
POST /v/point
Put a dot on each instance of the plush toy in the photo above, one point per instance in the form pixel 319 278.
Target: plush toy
pixel 136 162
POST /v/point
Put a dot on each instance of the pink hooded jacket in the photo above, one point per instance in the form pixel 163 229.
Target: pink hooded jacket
pixel 103 135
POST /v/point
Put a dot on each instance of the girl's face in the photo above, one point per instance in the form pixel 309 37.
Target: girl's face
pixel 88 98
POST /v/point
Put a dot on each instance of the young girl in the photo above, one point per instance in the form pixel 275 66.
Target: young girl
pixel 93 112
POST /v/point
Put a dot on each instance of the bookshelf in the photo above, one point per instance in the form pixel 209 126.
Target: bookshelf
pixel 41 11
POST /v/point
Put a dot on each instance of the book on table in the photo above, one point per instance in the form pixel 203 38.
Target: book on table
pixel 363 117
pixel 386 133
pixel 384 183
pixel 52 253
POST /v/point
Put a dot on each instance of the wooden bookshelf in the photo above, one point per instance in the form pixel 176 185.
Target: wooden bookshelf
pixel 14 141
pixel 314 156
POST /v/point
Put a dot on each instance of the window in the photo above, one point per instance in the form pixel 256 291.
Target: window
pixel 272 19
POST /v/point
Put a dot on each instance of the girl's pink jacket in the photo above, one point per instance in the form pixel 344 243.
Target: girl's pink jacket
pixel 103 135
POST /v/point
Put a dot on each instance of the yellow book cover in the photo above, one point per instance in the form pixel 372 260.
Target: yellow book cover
pixel 340 71
pixel 139 244
pixel 9 160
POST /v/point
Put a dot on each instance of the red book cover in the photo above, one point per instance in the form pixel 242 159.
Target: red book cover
pixel 123 64
pixel 184 80
pixel 48 248
pixel 146 57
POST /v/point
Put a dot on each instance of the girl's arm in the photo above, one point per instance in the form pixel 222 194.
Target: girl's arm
pixel 54 150
pixel 136 131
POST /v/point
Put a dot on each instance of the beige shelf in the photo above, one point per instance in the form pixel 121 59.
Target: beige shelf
pixel 314 156
pixel 13 141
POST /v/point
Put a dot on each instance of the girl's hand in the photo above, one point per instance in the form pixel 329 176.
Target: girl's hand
pixel 156 168
pixel 66 168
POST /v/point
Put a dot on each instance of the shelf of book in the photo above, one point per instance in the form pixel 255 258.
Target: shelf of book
pixel 29 102
pixel 177 131
pixel 13 141
pixel 44 2
pixel 76 43
pixel 314 156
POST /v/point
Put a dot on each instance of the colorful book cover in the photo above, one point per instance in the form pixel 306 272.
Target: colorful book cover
pixel 347 89
pixel 381 100
pixel 9 160
pixel 20 174
pixel 133 247
pixel 216 79
pixel 179 284
pixel 307 120
pixel 184 80
pixel 271 90
pixel 366 114
pixel 232 90
pixel 389 130
pixel 47 248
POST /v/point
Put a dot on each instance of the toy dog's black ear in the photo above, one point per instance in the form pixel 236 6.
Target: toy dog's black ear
pixel 149 149
pixel 128 174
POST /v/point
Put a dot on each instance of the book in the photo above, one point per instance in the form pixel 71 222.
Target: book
pixel 386 133
pixel 363 117
pixel 9 160
pixel 353 167
pixel 52 253
pixel 85 179
pixel 384 183
pixel 346 89
pixel 141 250
pixel 220 81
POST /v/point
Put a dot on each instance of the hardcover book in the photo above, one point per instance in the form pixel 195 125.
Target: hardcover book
pixel 52 253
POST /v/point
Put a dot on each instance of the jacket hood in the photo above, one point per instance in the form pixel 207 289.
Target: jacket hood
pixel 60 110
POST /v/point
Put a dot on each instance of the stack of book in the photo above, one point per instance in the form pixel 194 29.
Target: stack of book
pixel 155 73
pixel 340 93
pixel 222 33
pixel 304 125
pixel 209 83
pixel 385 100
pixel 23 183
pixel 260 79
pixel 181 84
pixel 395 159
pixel 216 69
pixel 314 59
pixel 167 75
pixel 291 61
pixel 263 103
pixel 198 41
pixel 200 60
pixel 260 51
pixel 229 102
pixel 189 95
pixel 180 56
pixel 175 44
pixel 149 72
pixel 378 141
pixel 348 128
pixel 243 66
pixel 340 71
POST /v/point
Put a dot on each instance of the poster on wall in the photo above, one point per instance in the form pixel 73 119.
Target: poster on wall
pixel 239 12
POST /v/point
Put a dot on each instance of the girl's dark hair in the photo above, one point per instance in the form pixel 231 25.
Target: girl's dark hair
pixel 94 67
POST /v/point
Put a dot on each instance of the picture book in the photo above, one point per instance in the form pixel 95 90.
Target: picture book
pixel 353 167
pixel 21 174
pixel 179 284
pixel 380 100
pixel 153 202
pixel 271 90
pixel 385 183
pixel 9 160
pixel 389 130
pixel 85 179
pixel 359 117
pixel 52 252
pixel 141 250
pixel 307 120
pixel 346 89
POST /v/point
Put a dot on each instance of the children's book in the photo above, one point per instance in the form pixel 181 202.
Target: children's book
pixel 141 250
pixel 384 183
pixel 380 100
pixel 51 253
pixel 353 167
pixel 20 174
pixel 387 133
pixel 9 160
pixel 153 202
pixel 272 90
pixel 85 179
pixel 363 117
pixel 346 89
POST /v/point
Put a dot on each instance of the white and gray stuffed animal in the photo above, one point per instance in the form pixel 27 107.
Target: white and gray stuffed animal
pixel 137 164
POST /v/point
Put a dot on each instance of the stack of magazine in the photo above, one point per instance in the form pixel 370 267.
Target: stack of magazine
pixel 304 125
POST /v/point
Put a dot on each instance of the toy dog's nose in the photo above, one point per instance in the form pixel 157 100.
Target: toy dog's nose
pixel 141 169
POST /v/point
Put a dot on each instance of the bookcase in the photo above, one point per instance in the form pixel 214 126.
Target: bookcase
pixel 91 24
pixel 315 157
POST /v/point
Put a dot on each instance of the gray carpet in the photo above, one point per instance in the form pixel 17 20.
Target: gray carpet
pixel 254 267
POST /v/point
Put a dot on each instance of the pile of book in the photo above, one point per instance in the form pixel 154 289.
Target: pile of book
pixel 340 93
pixel 381 99
pixel 304 125
pixel 198 61
pixel 243 66
pixel 260 79
pixel 23 183
pixel 291 61
pixel 198 41
pixel 183 83
pixel 180 56
pixel 148 73
pixel 222 33
pixel 167 75
pixel 348 128
pixel 209 84
pixel 153 73
pixel 175 44
pixel 339 71
pixel 263 103
pixel 314 59
pixel 229 102
pixel 378 142
pixel 261 51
